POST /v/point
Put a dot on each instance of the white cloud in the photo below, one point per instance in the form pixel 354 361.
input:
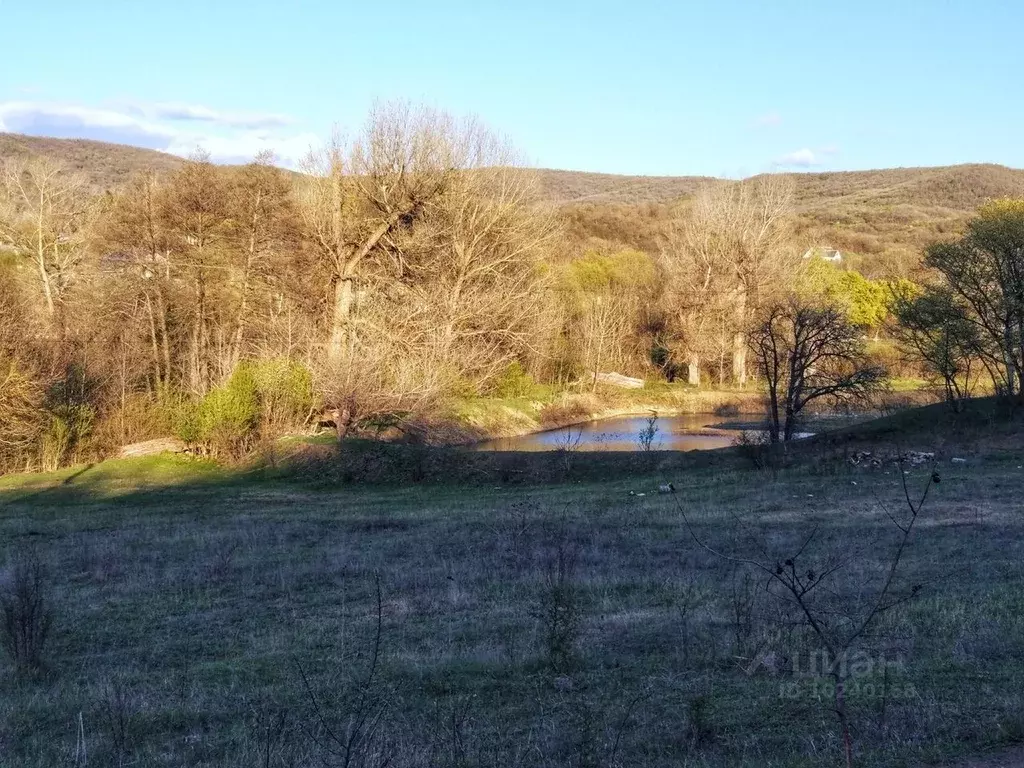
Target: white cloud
pixel 74 121
pixel 769 120
pixel 173 128
pixel 199 113
pixel 807 157
pixel 801 158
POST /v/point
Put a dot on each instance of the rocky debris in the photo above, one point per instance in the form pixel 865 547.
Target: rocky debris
pixel 618 380
pixel 152 447
pixel 872 460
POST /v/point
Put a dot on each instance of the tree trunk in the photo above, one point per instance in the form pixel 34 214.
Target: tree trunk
pixel 774 427
pixel 243 304
pixel 153 340
pixel 343 418
pixel 693 371
pixel 739 341
pixel 739 359
pixel 342 338
pixel 844 725
pixel 341 323
pixel 165 345
pixel 41 264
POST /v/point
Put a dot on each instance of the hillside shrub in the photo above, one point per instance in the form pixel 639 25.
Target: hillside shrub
pixel 262 399
pixel 71 415
pixel 513 382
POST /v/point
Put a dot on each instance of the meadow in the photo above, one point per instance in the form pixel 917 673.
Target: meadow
pixel 566 614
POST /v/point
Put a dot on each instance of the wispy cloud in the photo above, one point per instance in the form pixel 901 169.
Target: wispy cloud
pixel 801 158
pixel 768 120
pixel 202 114
pixel 179 129
pixel 806 157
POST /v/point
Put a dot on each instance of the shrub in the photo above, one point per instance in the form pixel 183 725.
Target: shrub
pixel 22 417
pixel 514 381
pixel 229 415
pixel 65 434
pixel 69 403
pixel 285 392
pixel 260 399
pixel 27 617
pixel 560 612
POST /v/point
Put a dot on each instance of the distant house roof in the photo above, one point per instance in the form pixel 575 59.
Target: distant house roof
pixel 828 254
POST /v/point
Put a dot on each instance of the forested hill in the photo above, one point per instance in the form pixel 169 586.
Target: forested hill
pixel 882 218
pixel 107 166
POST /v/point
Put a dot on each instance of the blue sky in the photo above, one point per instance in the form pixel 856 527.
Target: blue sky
pixel 726 88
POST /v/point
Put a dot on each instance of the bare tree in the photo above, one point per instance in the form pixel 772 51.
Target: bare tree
pixel 693 266
pixel 44 211
pixel 482 276
pixel 807 580
pixel 807 353
pixel 196 214
pixel 726 258
pixel 134 228
pixel 357 200
pixel 262 225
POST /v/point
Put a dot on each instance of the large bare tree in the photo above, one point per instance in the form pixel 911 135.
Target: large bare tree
pixel 263 227
pixel 44 212
pixel 357 199
pixel 196 212
pixel 725 258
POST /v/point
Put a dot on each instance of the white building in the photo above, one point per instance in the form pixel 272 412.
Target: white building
pixel 828 254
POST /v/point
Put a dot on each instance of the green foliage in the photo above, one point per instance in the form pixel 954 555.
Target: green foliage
pixel 261 399
pixel 864 301
pixel 602 273
pixel 229 415
pixel 934 328
pixel 514 382
pixel 71 417
pixel 66 432
pixel 983 274
pixel 284 389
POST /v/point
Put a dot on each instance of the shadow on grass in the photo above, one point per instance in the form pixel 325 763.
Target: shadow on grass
pixel 317 465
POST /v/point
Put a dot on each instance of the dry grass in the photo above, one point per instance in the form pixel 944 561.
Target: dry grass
pixel 184 612
pixel 106 166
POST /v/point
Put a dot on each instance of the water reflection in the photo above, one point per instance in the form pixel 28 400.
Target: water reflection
pixel 688 432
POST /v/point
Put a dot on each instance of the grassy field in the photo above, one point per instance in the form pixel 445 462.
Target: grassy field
pixel 217 618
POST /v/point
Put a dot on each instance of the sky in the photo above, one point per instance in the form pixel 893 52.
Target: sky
pixel 724 88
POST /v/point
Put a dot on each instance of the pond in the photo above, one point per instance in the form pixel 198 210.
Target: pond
pixel 687 432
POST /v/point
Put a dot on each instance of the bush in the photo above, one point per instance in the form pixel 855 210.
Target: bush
pixel 22 417
pixel 69 403
pixel 513 382
pixel 27 618
pixel 285 392
pixel 260 400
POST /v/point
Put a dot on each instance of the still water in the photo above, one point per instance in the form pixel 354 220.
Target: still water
pixel 689 432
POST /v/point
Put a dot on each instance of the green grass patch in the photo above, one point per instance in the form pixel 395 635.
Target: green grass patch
pixel 199 604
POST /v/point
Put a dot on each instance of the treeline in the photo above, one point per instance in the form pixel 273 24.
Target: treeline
pixel 409 266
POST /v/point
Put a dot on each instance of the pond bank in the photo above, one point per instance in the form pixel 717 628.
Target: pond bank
pixel 484 419
pixel 476 420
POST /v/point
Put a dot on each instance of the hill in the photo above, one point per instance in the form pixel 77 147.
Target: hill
pixel 107 166
pixel 882 218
